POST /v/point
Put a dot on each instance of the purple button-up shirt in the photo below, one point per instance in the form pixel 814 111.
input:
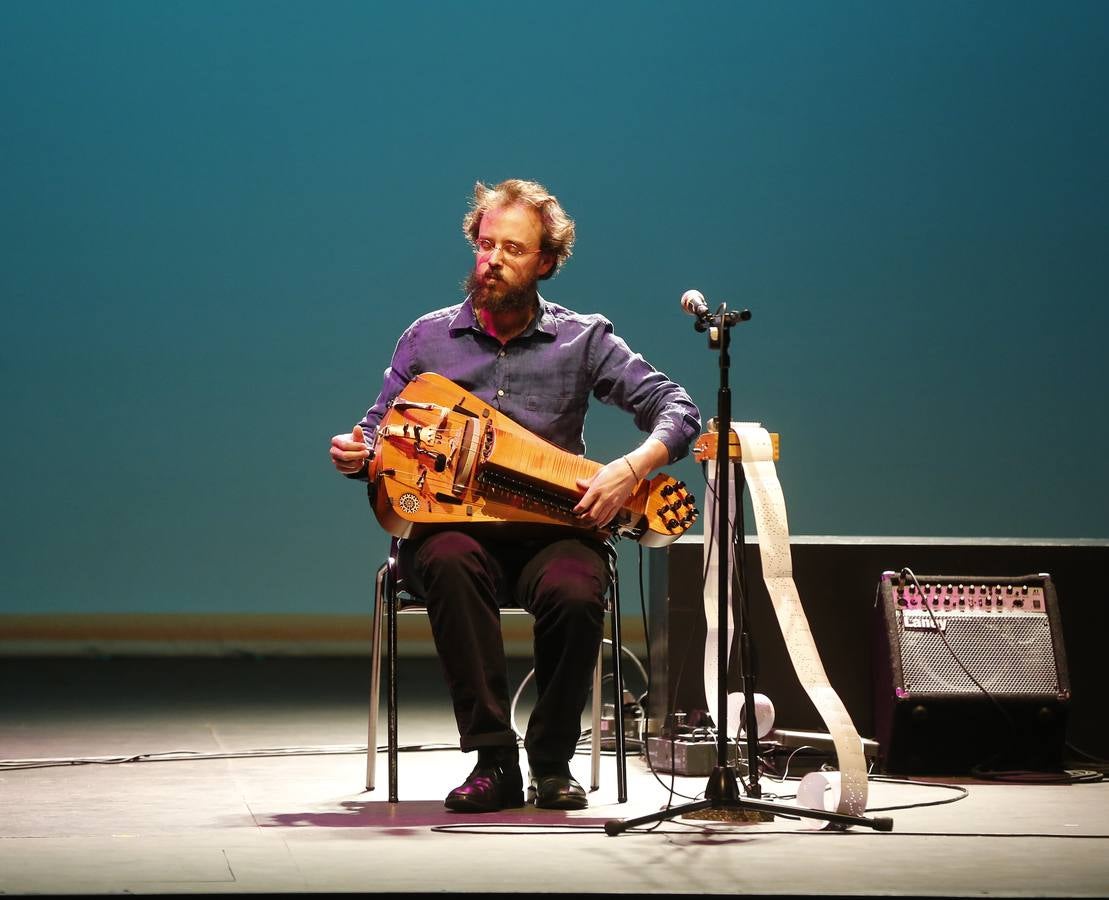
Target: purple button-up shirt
pixel 543 377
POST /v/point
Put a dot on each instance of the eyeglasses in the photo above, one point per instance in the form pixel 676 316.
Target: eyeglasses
pixel 485 247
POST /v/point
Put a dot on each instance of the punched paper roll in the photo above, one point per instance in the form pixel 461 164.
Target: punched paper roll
pixel 768 504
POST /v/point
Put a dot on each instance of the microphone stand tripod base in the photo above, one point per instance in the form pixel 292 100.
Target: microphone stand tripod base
pixel 733 814
pixel 722 802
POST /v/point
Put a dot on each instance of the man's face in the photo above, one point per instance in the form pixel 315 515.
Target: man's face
pixel 508 263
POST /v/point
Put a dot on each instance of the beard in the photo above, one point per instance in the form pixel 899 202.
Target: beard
pixel 499 297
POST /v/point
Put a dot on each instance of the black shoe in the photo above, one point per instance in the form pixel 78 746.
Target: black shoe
pixel 494 784
pixel 558 791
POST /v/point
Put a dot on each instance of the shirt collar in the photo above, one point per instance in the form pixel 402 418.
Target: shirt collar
pixel 545 323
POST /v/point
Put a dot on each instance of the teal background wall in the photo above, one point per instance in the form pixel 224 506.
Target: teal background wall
pixel 219 216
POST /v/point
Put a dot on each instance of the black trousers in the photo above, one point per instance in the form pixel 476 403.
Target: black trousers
pixel 466 577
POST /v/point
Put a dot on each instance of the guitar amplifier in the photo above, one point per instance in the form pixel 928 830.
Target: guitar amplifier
pixel 970 674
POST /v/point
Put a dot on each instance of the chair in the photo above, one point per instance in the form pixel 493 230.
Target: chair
pixel 391 598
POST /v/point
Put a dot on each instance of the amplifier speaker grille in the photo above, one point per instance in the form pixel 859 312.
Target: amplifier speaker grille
pixel 1006 655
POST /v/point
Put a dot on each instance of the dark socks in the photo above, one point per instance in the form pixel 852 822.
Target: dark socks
pixel 498 756
pixel 541 768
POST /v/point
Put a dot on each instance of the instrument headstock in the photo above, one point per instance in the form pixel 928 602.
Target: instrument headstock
pixel 670 510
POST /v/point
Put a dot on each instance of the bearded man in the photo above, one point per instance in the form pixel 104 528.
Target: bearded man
pixel 536 362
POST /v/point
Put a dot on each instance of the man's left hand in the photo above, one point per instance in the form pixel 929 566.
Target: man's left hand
pixel 605 493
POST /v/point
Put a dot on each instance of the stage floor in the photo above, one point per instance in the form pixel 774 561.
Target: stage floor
pixel 287 823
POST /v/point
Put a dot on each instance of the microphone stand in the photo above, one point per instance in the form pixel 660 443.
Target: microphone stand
pixel 722 791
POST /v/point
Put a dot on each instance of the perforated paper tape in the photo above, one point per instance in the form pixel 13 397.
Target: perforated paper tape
pixel 769 507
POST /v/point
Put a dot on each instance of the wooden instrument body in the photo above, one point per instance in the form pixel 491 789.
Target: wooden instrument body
pixel 443 456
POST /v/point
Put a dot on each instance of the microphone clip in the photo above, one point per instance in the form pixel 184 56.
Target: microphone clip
pixel 716 323
pixel 693 302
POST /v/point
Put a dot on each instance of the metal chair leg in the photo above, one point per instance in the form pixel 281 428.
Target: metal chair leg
pixel 375 677
pixel 618 695
pixel 595 743
pixel 391 675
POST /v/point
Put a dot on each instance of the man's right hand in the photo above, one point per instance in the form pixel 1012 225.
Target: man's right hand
pixel 349 451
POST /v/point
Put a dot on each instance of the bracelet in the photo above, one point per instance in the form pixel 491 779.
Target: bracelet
pixel 630 466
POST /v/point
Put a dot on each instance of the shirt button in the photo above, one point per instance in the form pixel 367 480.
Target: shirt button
pixel 500 392
pixel 501 355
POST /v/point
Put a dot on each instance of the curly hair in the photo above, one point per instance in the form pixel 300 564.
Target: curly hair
pixel 558 228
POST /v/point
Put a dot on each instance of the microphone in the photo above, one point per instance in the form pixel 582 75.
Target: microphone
pixel 693 302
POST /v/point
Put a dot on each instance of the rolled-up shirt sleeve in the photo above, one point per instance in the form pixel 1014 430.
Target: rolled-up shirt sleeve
pixel 660 407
